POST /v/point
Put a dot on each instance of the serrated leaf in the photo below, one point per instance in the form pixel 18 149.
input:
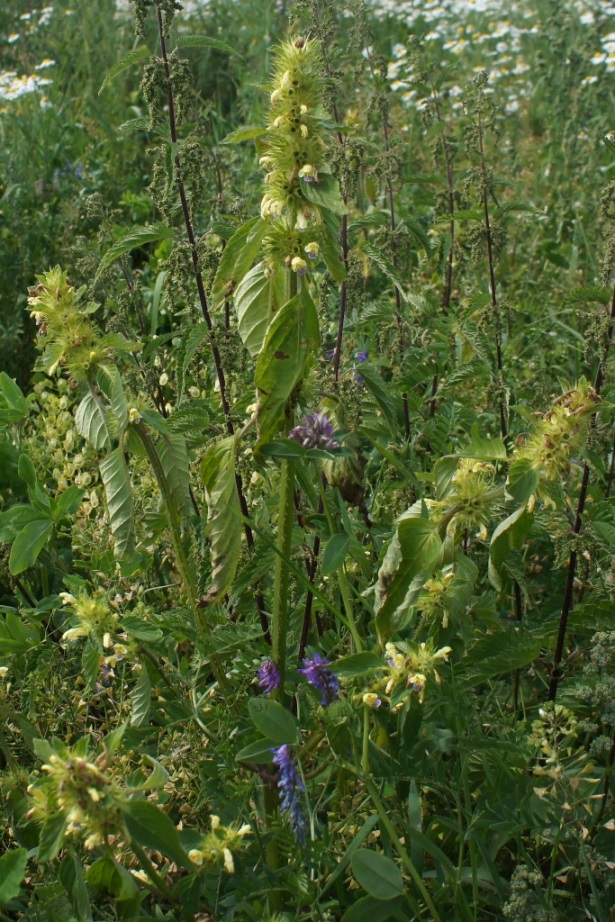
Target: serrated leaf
pixel 293 335
pixel 237 259
pixel 483 449
pixel 116 481
pixel 224 516
pixel 490 655
pixel 28 544
pixel 141 699
pixel 91 422
pixel 415 549
pixel 51 837
pixel 132 238
pixel 203 41
pixel 381 394
pixel 386 266
pixel 508 536
pixel 133 57
pixel 523 478
pixel 110 382
pixel 273 720
pixel 377 874
pixel 72 878
pixel 194 336
pixel 12 871
pixel 257 297
pixel 330 245
pixel 173 455
pixel 90 664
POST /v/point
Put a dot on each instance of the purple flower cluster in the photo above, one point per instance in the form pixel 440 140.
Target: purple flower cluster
pixel 290 784
pixel 315 431
pixel 321 678
pixel 269 677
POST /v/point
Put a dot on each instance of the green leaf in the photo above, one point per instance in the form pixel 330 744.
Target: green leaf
pixel 483 449
pixel 325 192
pixel 492 654
pixel 28 544
pixel 107 874
pixel 90 664
pixel 224 516
pixel 386 266
pixel 259 752
pixel 132 238
pixel 51 837
pixel 67 503
pixel 73 880
pixel 248 133
pixel 273 721
pixel 334 553
pixel 190 342
pixel 12 520
pixel 357 664
pixel 203 41
pixel 141 699
pixel 377 874
pixel 257 298
pixel 27 472
pixel 110 382
pixel 523 478
pixel 133 57
pixel 330 246
pixel 91 422
pixel 507 537
pixel 173 455
pixel 16 406
pixel 12 872
pixel 283 448
pixel 151 828
pixel 238 257
pixel 381 394
pixel 116 481
pixel 369 909
pixel 414 551
pixel 293 335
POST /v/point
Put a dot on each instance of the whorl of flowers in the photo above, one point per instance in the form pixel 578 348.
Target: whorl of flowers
pixel 326 682
pixel 66 332
pixel 217 846
pixel 560 432
pixel 290 786
pixel 269 677
pixel 408 669
pixel 294 155
pixel 473 498
pixel 315 431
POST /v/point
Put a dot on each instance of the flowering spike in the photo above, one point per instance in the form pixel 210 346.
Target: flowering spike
pixel 290 784
pixel 323 679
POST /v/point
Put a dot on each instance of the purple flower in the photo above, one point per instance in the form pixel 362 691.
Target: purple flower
pixel 315 431
pixel 361 356
pixel 323 679
pixel 269 677
pixel 289 785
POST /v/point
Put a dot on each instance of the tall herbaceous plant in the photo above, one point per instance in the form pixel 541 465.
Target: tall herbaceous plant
pixel 306 521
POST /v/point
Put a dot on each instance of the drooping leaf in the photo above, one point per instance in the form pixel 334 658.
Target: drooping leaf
pixel 273 720
pixel 73 879
pixel 190 342
pixel 377 874
pixel 508 536
pixel 12 872
pixel 173 454
pixel 91 422
pixel 204 41
pixel 132 238
pixel 13 405
pixel 523 478
pixel 110 382
pixel 334 553
pixel 330 245
pixel 224 516
pixel 237 259
pixel 116 481
pixel 51 837
pixel 257 298
pixel 414 550
pixel 133 57
pixel 293 335
pixel 483 449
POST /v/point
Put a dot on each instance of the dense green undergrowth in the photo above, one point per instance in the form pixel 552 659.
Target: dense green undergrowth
pixel 307 461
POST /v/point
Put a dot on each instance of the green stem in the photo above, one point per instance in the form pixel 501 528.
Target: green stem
pixel 401 851
pixel 366 726
pixel 281 582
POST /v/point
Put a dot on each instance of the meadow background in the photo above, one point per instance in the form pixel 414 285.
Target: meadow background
pixel 334 642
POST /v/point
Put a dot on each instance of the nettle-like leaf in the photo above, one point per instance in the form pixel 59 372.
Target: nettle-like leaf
pixel 173 454
pixel 237 259
pixel 116 481
pixel 190 342
pixel 293 335
pixel 414 551
pixel 133 57
pixel 257 298
pixel 134 237
pixel 507 537
pixel 91 422
pixel 110 382
pixel 224 523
